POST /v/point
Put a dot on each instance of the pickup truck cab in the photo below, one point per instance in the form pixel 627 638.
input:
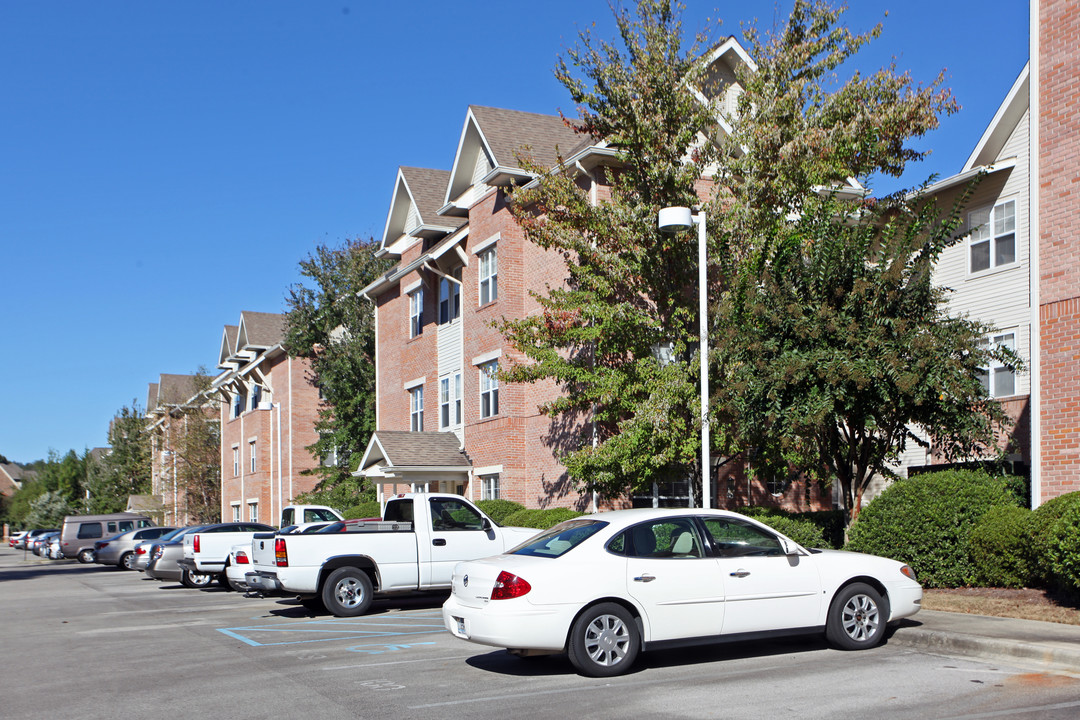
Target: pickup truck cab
pixel 304 514
pixel 415 546
pixel 206 552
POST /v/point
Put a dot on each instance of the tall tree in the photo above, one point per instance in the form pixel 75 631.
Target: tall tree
pixel 329 323
pixel 619 337
pixel 125 469
pixel 832 344
pixel 196 441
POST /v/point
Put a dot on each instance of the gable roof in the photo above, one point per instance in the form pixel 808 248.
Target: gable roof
pixel 151 397
pixel 1009 113
pixel 493 138
pixel 175 389
pixel 260 330
pixel 228 345
pixel 418 195
pixel 395 451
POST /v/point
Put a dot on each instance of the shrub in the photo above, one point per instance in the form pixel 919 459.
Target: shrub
pixel 803 532
pixel 998 546
pixel 1064 548
pixel 363 510
pixel 925 521
pixel 1043 520
pixel 498 510
pixel 540 519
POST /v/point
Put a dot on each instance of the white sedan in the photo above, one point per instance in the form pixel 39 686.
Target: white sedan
pixel 604 587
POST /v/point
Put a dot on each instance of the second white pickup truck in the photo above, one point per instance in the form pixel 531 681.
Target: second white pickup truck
pixel 415 547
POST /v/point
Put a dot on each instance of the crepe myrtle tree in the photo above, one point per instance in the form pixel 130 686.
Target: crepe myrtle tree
pixel 618 336
pixel 833 348
pixel 331 325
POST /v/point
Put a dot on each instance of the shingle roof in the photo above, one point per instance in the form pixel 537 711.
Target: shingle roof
pixel 152 397
pixel 428 187
pixel 262 329
pixel 231 332
pixel 422 449
pixel 175 389
pixel 508 132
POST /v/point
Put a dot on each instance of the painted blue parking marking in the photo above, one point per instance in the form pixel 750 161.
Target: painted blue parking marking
pixel 312 631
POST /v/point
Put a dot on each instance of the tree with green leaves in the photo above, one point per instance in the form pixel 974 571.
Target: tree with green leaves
pixel 833 348
pixel 331 325
pixel 619 337
pixel 195 440
pixel 125 469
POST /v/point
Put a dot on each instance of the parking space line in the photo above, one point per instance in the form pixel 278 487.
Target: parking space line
pixel 338 628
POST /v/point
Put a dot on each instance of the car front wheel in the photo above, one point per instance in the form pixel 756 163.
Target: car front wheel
pixel 604 641
pixel 194 580
pixel 857 618
pixel 347 592
pixel 86 556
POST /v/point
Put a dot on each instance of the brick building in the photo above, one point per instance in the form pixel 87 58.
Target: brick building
pixel 1055 208
pixel 444 422
pixel 268 412
pixel 168 403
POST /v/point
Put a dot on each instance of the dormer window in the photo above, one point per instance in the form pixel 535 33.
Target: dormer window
pixel 256 396
pixel 239 400
pixel 450 298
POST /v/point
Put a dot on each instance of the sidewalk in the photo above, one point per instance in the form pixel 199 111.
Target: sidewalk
pixel 1052 646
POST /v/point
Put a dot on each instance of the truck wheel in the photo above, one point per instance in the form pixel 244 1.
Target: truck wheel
pixel 347 592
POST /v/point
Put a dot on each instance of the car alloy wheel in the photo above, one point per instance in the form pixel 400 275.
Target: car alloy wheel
pixel 604 641
pixel 857 618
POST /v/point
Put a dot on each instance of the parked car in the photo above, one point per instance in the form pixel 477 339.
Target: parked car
pixel 206 552
pixel 80 532
pixel 119 549
pixel 40 544
pixel 142 549
pixel 26 541
pixel 164 556
pixel 54 548
pixel 16 539
pixel 604 587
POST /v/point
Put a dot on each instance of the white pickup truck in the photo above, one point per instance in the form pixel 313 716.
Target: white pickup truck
pixel 415 546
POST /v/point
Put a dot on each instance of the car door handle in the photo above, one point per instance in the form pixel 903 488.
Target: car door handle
pixel 439 542
pixel 644 578
pixel 740 573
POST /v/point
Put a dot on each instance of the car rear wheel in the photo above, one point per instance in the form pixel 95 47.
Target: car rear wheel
pixel 127 561
pixel 194 580
pixel 86 556
pixel 857 618
pixel 604 641
pixel 347 592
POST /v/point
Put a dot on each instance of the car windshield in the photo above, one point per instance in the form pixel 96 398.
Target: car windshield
pixel 171 534
pixel 560 539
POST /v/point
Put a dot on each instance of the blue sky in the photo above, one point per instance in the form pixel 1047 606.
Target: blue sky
pixel 164 166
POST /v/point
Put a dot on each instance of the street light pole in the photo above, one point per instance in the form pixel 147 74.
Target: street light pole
pixel 675 219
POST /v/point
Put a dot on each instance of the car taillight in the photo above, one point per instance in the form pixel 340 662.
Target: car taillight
pixel 281 555
pixel 157 551
pixel 508 586
pixel 195 543
pixel 140 550
pixel 241 558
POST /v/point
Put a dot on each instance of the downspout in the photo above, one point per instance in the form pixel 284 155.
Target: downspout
pixel 1034 241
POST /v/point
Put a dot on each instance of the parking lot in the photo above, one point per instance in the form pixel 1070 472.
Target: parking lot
pixel 85 641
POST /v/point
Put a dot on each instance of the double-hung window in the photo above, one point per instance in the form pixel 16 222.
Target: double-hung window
pixel 993 236
pixel 489 274
pixel 998 380
pixel 416 409
pixel 450 401
pixel 253 511
pixel 449 300
pixel 489 487
pixel 256 396
pixel 251 451
pixel 489 389
pixel 416 312
pixel 239 400
pixel 236 461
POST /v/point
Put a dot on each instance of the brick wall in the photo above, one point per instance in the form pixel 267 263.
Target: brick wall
pixel 1058 86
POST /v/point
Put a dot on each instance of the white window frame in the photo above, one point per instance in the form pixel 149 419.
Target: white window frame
pixel 416 408
pixel 450 401
pixel 449 298
pixel 488 287
pixel 253 511
pixel 236 516
pixel 236 461
pixel 251 454
pixel 416 312
pixel 989 375
pixel 489 486
pixel 989 226
pixel 489 389
pixel 256 396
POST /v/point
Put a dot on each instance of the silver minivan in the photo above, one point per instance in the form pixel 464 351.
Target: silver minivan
pixel 80 532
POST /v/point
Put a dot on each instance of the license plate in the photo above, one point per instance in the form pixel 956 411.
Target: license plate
pixel 460 625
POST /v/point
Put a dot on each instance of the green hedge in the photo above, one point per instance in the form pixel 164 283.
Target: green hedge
pixel 820 529
pixel 925 522
pixel 1043 520
pixel 998 547
pixel 1064 548
pixel 368 509
pixel 498 510
pixel 540 519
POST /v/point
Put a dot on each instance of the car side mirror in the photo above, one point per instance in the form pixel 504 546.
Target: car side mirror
pixel 789 547
pixel 485 525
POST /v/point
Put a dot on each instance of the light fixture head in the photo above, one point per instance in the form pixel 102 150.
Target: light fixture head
pixel 675 219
